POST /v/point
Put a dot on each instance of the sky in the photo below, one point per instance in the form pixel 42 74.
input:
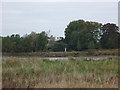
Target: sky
pixel 24 17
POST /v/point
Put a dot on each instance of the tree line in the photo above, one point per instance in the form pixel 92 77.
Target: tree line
pixel 79 35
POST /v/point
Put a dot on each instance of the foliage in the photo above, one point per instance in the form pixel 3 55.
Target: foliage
pixel 59 46
pixel 79 35
pixel 51 42
pixel 29 43
pixel 110 36
pixel 42 41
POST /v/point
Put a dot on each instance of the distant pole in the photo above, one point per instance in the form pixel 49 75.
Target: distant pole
pixel 65 49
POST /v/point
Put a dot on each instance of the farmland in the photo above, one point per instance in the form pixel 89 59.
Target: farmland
pixel 29 72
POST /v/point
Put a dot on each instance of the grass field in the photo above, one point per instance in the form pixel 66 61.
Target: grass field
pixel 32 73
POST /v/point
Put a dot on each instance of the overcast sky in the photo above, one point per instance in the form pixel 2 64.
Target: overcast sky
pixel 25 17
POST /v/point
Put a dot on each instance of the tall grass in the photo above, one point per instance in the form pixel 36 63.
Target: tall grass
pixel 32 73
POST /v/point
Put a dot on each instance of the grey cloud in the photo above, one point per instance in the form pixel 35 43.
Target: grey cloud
pixel 26 17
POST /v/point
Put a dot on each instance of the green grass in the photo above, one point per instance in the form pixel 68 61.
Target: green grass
pixel 29 72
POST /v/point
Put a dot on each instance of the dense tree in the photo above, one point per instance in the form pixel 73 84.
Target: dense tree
pixel 11 44
pixel 42 41
pixel 110 36
pixel 33 41
pixel 29 43
pixel 59 47
pixel 6 44
pixel 79 34
pixel 51 42
pixel 26 44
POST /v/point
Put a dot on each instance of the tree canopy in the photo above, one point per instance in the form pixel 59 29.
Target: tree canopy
pixel 79 35
pixel 29 43
pixel 110 36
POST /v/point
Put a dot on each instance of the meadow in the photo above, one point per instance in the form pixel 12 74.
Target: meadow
pixel 82 73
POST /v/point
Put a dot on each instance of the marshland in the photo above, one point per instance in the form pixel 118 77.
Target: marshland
pixel 49 45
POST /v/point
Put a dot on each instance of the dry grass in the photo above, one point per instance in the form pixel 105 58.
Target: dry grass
pixel 32 73
pixel 95 52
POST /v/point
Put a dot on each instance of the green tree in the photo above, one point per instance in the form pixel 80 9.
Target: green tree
pixel 11 44
pixel 42 41
pixel 51 42
pixel 6 44
pixel 26 43
pixel 59 47
pixel 80 33
pixel 110 36
pixel 33 41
